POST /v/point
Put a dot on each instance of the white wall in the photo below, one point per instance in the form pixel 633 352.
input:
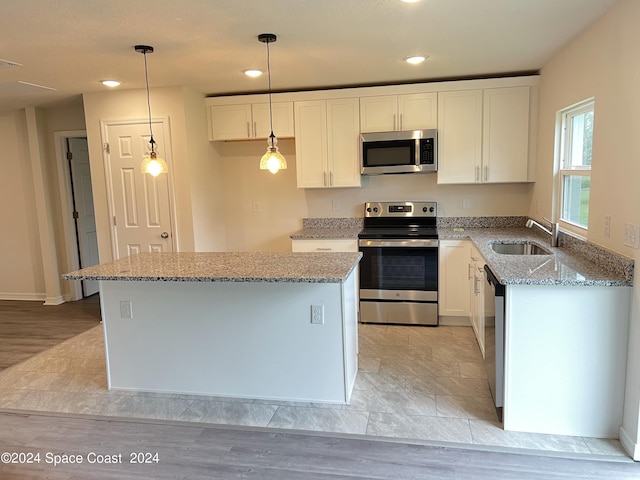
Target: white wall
pixel 193 162
pixel 283 205
pixel 21 275
pixel 602 63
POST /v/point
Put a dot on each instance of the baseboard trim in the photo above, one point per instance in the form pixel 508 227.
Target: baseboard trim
pixel 54 300
pixel 631 447
pixel 29 297
pixel 454 321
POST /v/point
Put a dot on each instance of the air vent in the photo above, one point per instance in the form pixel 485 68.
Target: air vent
pixel 8 63
pixel 23 87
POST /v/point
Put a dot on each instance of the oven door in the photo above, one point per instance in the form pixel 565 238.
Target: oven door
pixel 399 281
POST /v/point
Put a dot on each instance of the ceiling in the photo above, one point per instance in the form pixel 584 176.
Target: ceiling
pixel 70 45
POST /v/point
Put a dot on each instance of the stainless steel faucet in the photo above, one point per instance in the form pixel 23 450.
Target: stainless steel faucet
pixel 553 230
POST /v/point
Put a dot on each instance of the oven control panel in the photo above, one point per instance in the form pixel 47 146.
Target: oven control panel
pixel 400 209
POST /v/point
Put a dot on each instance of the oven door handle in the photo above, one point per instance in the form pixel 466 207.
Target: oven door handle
pixel 399 242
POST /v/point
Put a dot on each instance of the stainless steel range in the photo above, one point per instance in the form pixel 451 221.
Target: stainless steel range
pixel 399 267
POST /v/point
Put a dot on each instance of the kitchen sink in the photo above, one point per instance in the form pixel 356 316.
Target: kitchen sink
pixel 519 248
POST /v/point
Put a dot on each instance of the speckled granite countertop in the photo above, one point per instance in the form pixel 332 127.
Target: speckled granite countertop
pixel 565 266
pixel 327 233
pixel 329 229
pixel 225 267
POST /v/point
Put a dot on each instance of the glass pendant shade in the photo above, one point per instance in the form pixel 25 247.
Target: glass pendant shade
pixel 273 160
pixel 153 165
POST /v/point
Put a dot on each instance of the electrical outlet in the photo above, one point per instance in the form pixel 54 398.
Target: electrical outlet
pixel 466 203
pixel 607 225
pixel 317 314
pixel 125 309
pixel 632 235
pixel 256 206
pixel 335 205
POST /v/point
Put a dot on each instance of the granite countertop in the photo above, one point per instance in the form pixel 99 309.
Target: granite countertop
pixel 338 233
pixel 580 265
pixel 225 267
pixel 329 229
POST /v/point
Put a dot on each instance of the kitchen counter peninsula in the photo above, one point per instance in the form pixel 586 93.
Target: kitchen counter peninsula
pixel 278 326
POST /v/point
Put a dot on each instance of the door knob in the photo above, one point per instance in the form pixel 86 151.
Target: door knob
pixel 164 234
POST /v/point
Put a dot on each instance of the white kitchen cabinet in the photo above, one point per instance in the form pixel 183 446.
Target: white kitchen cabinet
pixel 327 148
pixel 459 136
pixel 476 297
pixel 454 278
pixel 483 135
pixel 325 245
pixel 387 113
pixel 250 121
pixel 505 135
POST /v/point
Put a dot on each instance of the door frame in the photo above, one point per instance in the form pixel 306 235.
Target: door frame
pixel 164 124
pixel 66 204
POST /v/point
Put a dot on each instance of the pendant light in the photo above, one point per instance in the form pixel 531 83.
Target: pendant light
pixel 273 159
pixel 151 163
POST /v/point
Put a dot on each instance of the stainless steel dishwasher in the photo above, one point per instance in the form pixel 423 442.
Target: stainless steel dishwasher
pixel 494 293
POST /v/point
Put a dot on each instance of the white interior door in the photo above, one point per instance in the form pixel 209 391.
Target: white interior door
pixel 141 203
pixel 85 220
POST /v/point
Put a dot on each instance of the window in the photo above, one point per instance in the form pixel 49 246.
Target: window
pixel 575 164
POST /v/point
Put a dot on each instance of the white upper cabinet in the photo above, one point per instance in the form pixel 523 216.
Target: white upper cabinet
pixel 483 135
pixel 398 112
pixel 327 149
pixel 250 121
pixel 459 136
pixel 505 138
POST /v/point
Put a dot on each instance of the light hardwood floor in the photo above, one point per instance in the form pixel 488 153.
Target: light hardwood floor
pixel 28 328
pixel 191 451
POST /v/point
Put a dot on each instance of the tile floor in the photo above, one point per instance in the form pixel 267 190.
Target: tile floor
pixel 414 383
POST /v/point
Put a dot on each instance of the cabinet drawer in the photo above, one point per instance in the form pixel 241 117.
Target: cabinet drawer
pixel 337 245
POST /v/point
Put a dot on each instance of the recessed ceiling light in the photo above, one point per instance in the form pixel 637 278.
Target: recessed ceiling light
pixel 415 59
pixel 110 83
pixel 252 73
pixel 410 1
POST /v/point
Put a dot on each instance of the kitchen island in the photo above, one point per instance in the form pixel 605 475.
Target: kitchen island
pixel 278 326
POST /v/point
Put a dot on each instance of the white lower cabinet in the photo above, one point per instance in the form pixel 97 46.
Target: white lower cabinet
pixel 476 270
pixel 454 278
pixel 325 245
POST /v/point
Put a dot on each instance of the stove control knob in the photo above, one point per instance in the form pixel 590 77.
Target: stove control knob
pixel 369 209
pixel 424 209
pixel 431 209
pixel 375 209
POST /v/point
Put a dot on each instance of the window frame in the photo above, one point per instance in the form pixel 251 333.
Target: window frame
pixel 565 120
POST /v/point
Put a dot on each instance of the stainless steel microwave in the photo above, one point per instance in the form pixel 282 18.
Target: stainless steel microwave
pixel 411 151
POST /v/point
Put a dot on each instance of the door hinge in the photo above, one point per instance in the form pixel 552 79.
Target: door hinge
pixel 69 155
pixel 114 220
pixel 106 148
pixel 75 215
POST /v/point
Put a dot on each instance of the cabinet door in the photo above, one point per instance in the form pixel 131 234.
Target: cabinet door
pixel 378 114
pixel 343 148
pixel 418 111
pixel 311 143
pixel 282 120
pixel 230 122
pixel 506 135
pixel 454 277
pixel 459 136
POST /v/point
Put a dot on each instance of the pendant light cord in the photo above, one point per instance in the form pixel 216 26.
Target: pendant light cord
pixel 269 82
pixel 146 79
